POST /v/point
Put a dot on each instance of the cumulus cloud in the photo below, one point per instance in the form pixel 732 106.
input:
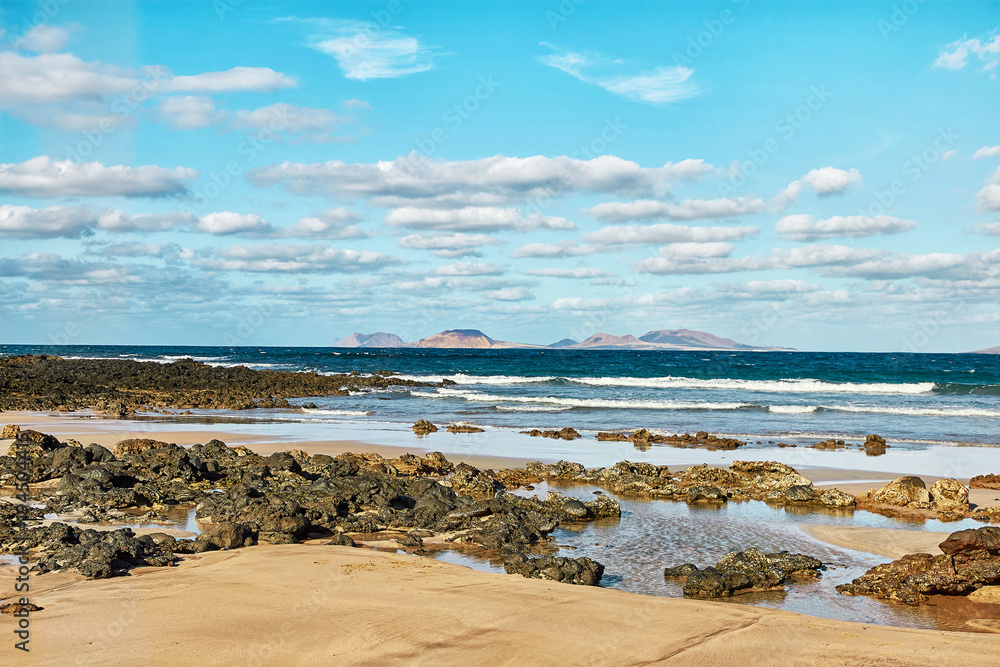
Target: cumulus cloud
pixel 805 227
pixel 680 259
pixel 302 124
pixel 825 181
pixel 580 273
pixel 470 269
pixel 157 250
pixel 44 177
pixel 294 258
pixel 24 222
pixel 189 112
pixel 227 222
pixel 448 245
pixel 509 294
pixel 42 38
pixel 365 50
pixel 667 233
pixel 114 220
pixel 989 196
pixel 988 228
pixel 473 219
pixel 689 209
pixel 64 77
pixel 658 85
pixel 563 248
pixel 333 223
pixel 955 56
pixel 987 151
pixel 416 177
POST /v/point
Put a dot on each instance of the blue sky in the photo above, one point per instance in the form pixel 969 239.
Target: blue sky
pixel 821 175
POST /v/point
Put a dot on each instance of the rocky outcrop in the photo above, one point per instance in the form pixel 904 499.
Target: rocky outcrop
pixel 10 431
pixel 423 427
pixel 745 572
pixel 642 438
pixel 947 496
pixel 464 428
pixel 582 571
pixel 990 481
pixel 94 554
pixel 122 386
pixel 566 433
pixel 971 560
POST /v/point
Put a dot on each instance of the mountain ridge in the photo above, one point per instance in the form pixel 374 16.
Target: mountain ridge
pixel 657 339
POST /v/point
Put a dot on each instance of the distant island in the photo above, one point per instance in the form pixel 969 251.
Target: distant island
pixel 989 350
pixel 662 339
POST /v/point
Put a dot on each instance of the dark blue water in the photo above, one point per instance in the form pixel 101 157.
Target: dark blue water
pixel 913 399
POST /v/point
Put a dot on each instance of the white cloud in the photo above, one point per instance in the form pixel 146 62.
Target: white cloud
pixel 689 209
pixel 161 250
pixel 365 50
pixel 563 248
pixel 42 39
pixel 805 227
pixel 825 181
pixel 333 223
pixel 684 251
pixel 681 259
pixel 578 303
pixel 303 124
pixel 989 196
pixel 658 85
pixel 449 245
pixel 473 219
pixel 190 112
pixel 667 233
pixel 987 151
pixel 509 294
pixel 766 287
pixel 294 258
pixel 227 222
pixel 113 220
pixel 470 269
pixel 988 228
pixel 44 177
pixel 580 273
pixel 63 77
pixel 955 55
pixel 24 222
pixel 237 79
pixel 903 266
pixel 415 177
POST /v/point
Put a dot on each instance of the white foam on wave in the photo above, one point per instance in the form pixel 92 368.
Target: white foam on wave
pixel 787 385
pixel 916 411
pixel 532 408
pixel 339 413
pixel 792 409
pixel 478 397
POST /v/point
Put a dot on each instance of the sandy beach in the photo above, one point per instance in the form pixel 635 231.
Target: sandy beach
pixel 313 603
pixel 316 604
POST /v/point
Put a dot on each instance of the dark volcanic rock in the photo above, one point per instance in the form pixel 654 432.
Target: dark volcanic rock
pixel 566 433
pixel 744 572
pixel 96 555
pixel 567 570
pixel 971 561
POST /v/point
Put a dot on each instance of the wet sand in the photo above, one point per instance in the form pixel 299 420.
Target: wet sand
pixel 888 542
pixel 314 604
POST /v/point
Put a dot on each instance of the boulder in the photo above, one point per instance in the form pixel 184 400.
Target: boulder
pixel 227 535
pixel 874 445
pixel 424 427
pixel 980 539
pixel 990 481
pixel 10 431
pixel 907 491
pixel 948 495
pixel 125 448
pixel 342 540
pixel 582 571
pixel 744 572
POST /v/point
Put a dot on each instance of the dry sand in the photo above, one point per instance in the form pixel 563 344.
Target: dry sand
pixel 314 604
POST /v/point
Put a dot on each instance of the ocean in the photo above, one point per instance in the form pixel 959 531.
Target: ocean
pixel 914 400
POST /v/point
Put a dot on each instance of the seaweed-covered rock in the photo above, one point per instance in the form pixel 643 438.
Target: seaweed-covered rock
pixel 744 572
pixel 567 570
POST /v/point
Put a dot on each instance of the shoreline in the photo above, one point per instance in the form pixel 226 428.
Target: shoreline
pixel 311 603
